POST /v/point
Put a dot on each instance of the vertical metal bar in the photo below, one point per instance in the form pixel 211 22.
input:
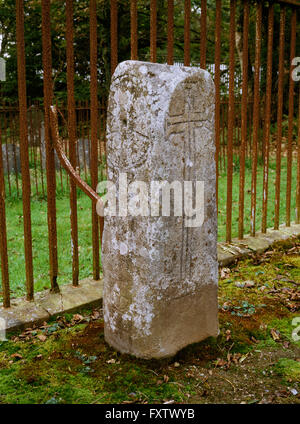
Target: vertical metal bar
pixel 243 119
pixel 50 160
pixel 203 34
pixel 230 121
pixel 113 34
pixel 255 115
pixel 279 114
pixel 153 30
pixel 290 119
pixel 3 236
pixel 187 35
pixel 267 117
pixel 94 133
pixel 72 138
pixel 217 86
pixel 133 30
pixel 170 47
pixel 298 166
pixel 24 148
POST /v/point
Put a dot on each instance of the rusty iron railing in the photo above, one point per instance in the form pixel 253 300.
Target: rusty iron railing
pixel 244 118
pixel 24 149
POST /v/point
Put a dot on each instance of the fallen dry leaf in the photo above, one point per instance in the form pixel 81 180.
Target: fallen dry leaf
pixel 38 357
pixel 95 315
pixel 275 334
pixel 42 337
pixel 228 335
pixel 243 357
pixel 221 362
pixel 16 356
pixel 77 317
pixel 225 272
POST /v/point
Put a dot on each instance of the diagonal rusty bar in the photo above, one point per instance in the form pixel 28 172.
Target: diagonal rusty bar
pixel 66 162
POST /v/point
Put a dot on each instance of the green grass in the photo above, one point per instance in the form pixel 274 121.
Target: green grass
pixel 40 230
pixel 40 242
pixel 247 210
pixel 288 368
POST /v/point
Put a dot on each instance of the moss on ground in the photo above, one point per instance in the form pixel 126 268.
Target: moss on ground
pixel 255 359
pixel 289 369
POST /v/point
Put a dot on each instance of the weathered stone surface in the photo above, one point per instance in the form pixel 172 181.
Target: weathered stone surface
pixel 160 277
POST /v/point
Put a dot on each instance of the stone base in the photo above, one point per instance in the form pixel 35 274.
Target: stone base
pixel 167 337
pixel 230 252
pixel 24 314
